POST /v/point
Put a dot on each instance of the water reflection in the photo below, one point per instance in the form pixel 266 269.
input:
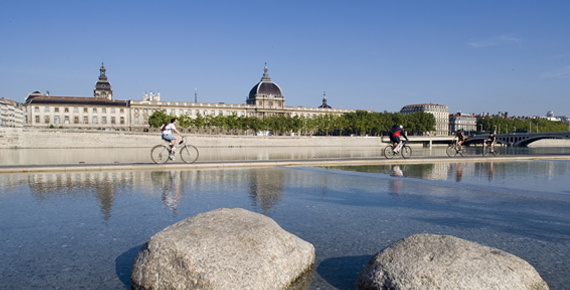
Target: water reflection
pixel 266 188
pixel 523 175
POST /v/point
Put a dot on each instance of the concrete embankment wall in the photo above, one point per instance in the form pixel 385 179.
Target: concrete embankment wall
pixel 12 138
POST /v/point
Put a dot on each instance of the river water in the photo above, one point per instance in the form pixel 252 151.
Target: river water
pixel 82 229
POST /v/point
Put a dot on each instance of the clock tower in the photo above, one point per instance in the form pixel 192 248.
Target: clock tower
pixel 103 87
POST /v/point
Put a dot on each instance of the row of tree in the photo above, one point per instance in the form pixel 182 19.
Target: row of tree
pixel 502 125
pixel 357 123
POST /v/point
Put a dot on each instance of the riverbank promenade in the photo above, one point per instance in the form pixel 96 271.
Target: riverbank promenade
pixel 272 163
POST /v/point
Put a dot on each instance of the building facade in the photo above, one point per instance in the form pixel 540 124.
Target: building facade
pixel 97 112
pixel 11 114
pixel 103 112
pixel 440 112
pixel 462 121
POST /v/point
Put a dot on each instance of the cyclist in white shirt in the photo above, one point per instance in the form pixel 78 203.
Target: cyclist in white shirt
pixel 169 136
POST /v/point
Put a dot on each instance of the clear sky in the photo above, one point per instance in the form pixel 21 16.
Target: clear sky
pixel 472 56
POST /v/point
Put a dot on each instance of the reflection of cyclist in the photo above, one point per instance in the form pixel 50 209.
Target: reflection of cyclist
pixel 169 136
pixel 491 141
pixel 460 138
pixel 395 137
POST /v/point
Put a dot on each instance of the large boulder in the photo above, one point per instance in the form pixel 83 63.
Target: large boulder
pixel 222 249
pixel 427 261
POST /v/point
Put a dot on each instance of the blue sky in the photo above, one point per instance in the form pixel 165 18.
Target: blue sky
pixel 472 56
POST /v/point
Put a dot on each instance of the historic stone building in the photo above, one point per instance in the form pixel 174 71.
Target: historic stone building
pixel 440 112
pixel 102 112
pixel 265 99
pixel 97 112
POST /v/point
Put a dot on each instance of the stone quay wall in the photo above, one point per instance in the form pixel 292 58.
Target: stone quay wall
pixel 26 138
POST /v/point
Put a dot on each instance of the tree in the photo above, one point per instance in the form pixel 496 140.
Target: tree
pixel 158 118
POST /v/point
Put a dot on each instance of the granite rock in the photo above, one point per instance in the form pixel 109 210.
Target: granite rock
pixel 428 261
pixel 222 249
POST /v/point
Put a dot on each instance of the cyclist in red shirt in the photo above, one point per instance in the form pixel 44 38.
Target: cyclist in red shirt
pixel 395 137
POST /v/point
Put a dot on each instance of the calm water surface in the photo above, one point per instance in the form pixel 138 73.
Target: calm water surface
pixel 83 229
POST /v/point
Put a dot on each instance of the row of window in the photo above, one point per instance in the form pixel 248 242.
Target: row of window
pixel 76 110
pixel 66 120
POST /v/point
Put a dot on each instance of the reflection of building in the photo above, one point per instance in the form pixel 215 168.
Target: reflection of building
pixel 50 185
pixel 440 112
pixel 102 112
pixel 266 187
pixel 459 120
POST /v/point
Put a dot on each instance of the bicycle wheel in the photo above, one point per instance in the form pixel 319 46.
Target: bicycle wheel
pixel 406 152
pixel 189 154
pixel 486 150
pixel 389 152
pixel 159 154
pixel 461 152
pixel 450 151
pixel 496 152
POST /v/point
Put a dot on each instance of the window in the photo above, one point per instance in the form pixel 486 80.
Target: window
pixel 94 120
pixel 213 113
pixel 145 110
pixel 205 112
pixel 66 110
pixel 104 110
pixel 189 113
pixel 136 120
pixel 66 120
pixel 197 112
pixel 46 119
pixel 172 112
pixel 103 120
pixel 76 110
pixel 122 120
pixel 221 113
pixel 94 110
pixel 112 120
pixel 85 120
pixel 242 114
pixel 85 111
pixel 122 111
pixel 37 119
pixel 181 112
pixel 46 109
pixel 75 120
pixel 112 110
pixel 37 109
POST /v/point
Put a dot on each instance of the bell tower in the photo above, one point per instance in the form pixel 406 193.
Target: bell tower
pixel 103 87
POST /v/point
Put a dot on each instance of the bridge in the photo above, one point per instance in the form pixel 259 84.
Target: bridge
pixel 517 139
pixel 511 139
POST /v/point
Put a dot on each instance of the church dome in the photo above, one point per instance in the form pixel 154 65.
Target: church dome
pixel 265 88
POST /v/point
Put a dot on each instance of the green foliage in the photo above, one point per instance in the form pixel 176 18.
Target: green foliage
pixel 158 118
pixel 502 125
pixel 358 123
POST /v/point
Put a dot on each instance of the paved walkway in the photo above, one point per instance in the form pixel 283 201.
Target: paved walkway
pixel 269 163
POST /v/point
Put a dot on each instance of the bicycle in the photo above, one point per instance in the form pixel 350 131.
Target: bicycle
pixel 487 150
pixel 405 151
pixel 163 153
pixel 453 150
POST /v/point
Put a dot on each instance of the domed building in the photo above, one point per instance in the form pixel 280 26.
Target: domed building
pixel 266 96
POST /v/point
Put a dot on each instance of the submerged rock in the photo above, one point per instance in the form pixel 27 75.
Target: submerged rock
pixel 222 249
pixel 427 261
